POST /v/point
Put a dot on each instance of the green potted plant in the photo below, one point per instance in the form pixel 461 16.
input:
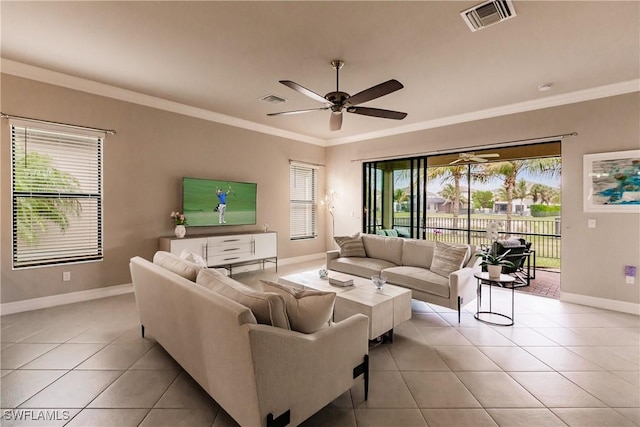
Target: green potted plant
pixel 494 262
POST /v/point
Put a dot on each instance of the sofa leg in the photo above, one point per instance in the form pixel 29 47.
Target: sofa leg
pixel 142 329
pixel 281 421
pixel 459 307
pixel 363 368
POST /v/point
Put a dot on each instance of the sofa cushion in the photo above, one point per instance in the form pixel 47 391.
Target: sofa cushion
pixel 363 267
pixel 385 248
pixel 350 246
pixel 417 253
pixel 177 265
pixel 448 258
pixel 308 310
pixel 267 307
pixel 419 279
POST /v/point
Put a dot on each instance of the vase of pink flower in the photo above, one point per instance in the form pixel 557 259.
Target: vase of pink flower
pixel 180 221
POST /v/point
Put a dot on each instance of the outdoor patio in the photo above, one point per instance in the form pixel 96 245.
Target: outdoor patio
pixel 546 283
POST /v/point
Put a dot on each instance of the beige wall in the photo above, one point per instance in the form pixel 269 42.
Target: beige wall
pixel 154 149
pixel 592 259
pixel 143 168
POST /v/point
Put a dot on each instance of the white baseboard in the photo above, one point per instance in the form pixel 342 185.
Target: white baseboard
pixel 61 299
pixel 608 304
pixel 304 258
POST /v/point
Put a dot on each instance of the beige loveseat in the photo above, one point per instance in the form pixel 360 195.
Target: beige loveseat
pixel 261 375
pixel 439 273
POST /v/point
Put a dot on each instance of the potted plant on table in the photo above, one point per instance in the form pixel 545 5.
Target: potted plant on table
pixel 494 262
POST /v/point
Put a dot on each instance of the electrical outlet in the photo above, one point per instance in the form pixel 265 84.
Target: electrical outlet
pixel 66 276
pixel 630 280
pixel 591 223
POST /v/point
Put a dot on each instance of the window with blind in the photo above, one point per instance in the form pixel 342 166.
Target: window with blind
pixel 56 195
pixel 303 209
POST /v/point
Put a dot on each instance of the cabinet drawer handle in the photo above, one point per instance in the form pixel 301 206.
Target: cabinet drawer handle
pixel 231 249
pixel 231 240
pixel 233 257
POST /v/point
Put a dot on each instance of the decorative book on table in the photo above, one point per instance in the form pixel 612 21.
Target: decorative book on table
pixel 341 280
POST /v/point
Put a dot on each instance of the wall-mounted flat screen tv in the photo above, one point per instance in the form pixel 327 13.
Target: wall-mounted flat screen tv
pixel 209 202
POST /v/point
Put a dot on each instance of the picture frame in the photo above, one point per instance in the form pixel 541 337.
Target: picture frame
pixel 612 182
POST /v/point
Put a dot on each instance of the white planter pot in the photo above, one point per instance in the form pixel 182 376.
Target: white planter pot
pixel 180 231
pixel 494 270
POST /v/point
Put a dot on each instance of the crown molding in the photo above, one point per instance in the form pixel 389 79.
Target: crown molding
pixel 71 82
pixel 521 107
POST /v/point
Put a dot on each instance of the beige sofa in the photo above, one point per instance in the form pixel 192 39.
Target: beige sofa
pixel 411 263
pixel 261 375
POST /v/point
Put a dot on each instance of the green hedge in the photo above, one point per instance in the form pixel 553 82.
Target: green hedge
pixel 544 210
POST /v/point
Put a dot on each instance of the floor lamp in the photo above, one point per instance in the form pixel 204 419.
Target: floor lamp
pixel 328 203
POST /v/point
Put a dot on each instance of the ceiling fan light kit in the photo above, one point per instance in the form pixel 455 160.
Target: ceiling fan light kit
pixel 338 101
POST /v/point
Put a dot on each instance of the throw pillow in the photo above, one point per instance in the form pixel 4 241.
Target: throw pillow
pixel 267 307
pixel 392 232
pixel 351 246
pixel 448 258
pixel 194 258
pixel 177 265
pixel 308 310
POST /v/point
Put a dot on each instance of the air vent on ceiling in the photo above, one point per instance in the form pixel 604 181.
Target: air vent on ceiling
pixel 488 13
pixel 273 99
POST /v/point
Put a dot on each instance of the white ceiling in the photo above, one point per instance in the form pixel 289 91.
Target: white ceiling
pixel 221 57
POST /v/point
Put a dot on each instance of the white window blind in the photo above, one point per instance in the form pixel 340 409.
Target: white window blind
pixel 56 195
pixel 303 209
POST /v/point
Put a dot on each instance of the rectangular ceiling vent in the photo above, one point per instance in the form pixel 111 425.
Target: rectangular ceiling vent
pixel 273 99
pixel 488 13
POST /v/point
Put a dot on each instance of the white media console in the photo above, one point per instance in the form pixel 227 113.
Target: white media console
pixel 227 250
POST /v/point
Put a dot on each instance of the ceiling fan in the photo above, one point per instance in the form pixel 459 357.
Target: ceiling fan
pixel 338 102
pixel 472 157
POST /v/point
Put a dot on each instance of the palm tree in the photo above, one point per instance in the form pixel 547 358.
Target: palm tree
pixel 35 172
pixel 450 175
pixel 509 171
pixel 521 192
pixel 448 193
pixel 536 192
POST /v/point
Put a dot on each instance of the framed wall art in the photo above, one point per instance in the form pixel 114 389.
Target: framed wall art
pixel 612 182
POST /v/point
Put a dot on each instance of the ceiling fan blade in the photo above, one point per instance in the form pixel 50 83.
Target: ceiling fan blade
pixel 303 90
pixel 335 122
pixel 478 159
pixel 455 161
pixel 488 155
pixel 374 92
pixel 283 113
pixel 377 112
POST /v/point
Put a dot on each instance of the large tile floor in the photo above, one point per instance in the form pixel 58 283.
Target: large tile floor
pixel 561 364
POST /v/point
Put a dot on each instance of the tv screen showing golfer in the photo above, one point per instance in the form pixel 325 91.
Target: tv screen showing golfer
pixel 208 202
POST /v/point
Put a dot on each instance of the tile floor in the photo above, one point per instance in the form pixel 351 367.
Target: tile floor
pixel 561 364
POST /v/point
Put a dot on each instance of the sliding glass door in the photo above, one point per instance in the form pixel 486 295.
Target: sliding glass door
pixel 452 197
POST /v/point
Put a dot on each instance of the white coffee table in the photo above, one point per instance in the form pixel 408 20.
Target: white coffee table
pixel 385 308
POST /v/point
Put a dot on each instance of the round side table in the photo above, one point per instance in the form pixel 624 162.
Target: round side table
pixel 504 281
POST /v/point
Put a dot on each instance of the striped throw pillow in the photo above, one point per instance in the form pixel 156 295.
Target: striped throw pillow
pixel 448 258
pixel 351 246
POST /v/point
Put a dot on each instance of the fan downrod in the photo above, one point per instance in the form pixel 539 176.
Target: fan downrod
pixel 337 98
